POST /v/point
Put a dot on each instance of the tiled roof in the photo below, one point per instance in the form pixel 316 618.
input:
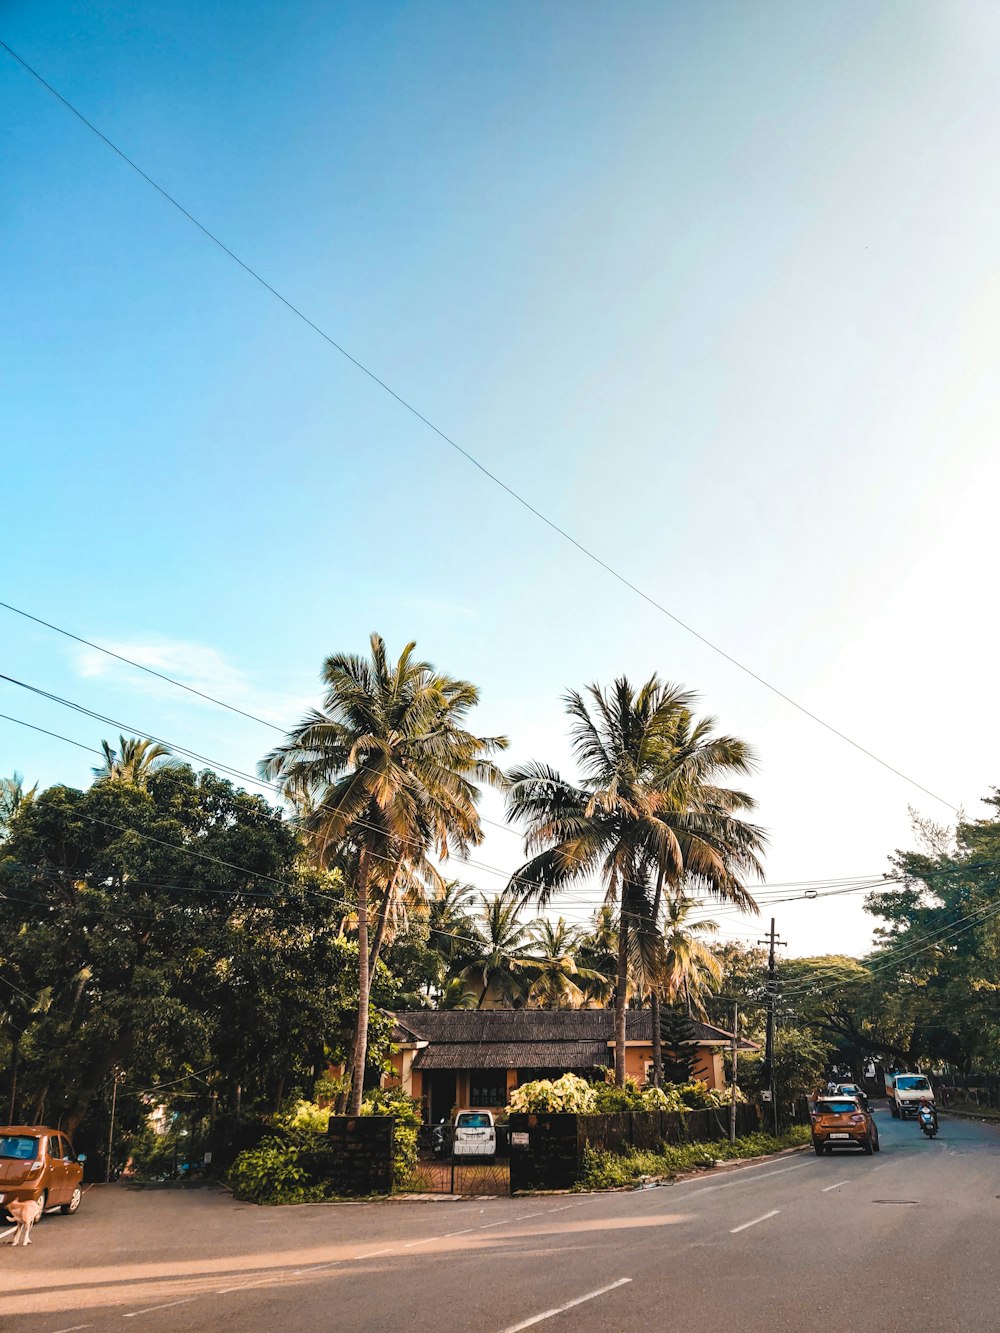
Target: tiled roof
pixel 512 1055
pixel 519 1030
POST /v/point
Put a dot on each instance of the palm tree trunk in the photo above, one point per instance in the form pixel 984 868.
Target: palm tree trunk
pixel 383 918
pixel 654 995
pixel 620 1001
pixel 654 1005
pixel 364 991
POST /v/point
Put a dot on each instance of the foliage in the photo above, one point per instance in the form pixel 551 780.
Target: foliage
pixel 676 1034
pixel 395 1102
pixel 569 1093
pixel 609 1170
pixel 169 931
pixel 273 1172
pixel 799 1062
pixel 648 805
pixel 385 773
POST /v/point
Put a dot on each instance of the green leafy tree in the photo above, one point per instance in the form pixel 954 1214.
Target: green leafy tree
pixel 388 768
pixel 498 964
pixel 557 979
pixel 135 760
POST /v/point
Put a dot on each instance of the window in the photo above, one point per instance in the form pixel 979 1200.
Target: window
pixel 913 1084
pixel 18 1146
pixel 487 1087
pixel 66 1152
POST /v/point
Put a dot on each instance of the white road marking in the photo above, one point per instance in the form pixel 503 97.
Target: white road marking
pixel 9 1232
pixel 74 1329
pixel 763 1218
pixel 560 1309
pixel 729 1184
pixel 132 1314
pixel 826 1188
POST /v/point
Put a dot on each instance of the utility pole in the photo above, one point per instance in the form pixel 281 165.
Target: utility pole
pixel 732 1090
pixel 111 1127
pixel 771 940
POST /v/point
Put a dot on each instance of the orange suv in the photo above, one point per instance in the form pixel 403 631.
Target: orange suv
pixel 39 1163
pixel 841 1122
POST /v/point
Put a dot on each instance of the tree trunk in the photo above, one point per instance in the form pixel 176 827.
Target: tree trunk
pixel 620 1002
pixel 383 918
pixel 654 1005
pixel 364 991
pixel 654 996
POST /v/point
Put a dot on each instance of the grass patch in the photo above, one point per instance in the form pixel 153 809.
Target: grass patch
pixel 608 1170
pixel 971 1108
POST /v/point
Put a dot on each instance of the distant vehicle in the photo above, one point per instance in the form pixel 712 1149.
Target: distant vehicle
pixel 927 1116
pixel 39 1164
pixel 842 1122
pixel 906 1092
pixel 475 1134
pixel 852 1090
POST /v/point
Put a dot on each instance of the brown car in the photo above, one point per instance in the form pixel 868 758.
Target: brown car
pixel 841 1122
pixel 39 1163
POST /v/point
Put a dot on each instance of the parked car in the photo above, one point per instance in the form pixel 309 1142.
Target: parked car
pixel 852 1090
pixel 475 1134
pixel 39 1164
pixel 842 1122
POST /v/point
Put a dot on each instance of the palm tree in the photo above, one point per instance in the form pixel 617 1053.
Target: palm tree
pixel 498 962
pixel 598 951
pixel 13 797
pixel 390 769
pixel 135 761
pixel 690 968
pixel 452 933
pixel 647 802
pixel 560 980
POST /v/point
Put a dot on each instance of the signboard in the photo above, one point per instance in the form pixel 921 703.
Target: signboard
pixel 765 1096
pixel 519 1139
pixel 208 1159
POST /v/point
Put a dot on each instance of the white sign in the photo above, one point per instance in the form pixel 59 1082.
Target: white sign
pixel 519 1139
pixel 208 1158
pixel 765 1096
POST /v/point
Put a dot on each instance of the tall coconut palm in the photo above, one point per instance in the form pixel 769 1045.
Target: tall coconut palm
pixel 134 762
pixel 690 968
pixel 390 768
pixel 559 979
pixel 497 965
pixel 647 801
pixel 13 797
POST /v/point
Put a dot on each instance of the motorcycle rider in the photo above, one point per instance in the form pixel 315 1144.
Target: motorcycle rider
pixel 927 1112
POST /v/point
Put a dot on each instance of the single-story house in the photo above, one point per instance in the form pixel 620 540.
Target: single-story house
pixel 457 1057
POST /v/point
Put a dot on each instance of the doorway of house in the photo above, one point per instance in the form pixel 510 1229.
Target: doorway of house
pixel 441 1094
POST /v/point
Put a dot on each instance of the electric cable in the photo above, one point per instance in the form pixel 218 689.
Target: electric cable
pixel 471 458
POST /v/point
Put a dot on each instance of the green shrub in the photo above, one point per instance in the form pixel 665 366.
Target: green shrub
pixel 608 1170
pixel 569 1093
pixel 395 1102
pixel 274 1172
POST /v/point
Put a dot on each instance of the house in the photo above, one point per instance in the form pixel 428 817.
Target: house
pixel 456 1057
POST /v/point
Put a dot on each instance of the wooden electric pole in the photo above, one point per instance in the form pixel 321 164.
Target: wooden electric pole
pixel 771 940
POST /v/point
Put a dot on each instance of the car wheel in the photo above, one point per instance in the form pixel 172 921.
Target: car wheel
pixel 867 1148
pixel 829 1150
pixel 877 1147
pixel 895 1110
pixel 43 1203
pixel 67 1209
pixel 818 1149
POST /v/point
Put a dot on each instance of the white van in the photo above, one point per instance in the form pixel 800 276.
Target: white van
pixel 475 1134
pixel 906 1092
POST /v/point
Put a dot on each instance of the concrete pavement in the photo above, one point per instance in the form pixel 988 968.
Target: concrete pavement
pixel 907 1236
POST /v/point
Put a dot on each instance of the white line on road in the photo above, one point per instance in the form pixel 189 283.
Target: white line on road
pixel 8 1232
pixel 773 1213
pixel 730 1184
pixel 150 1308
pixel 560 1309
pixel 75 1328
pixel 826 1188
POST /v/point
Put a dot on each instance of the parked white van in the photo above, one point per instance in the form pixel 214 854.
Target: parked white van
pixel 475 1134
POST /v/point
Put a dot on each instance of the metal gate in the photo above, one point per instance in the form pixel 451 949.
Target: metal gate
pixel 439 1171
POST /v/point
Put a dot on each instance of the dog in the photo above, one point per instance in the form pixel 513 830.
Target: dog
pixel 24 1212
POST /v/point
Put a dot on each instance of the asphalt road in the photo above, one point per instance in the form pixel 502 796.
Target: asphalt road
pixel 902 1240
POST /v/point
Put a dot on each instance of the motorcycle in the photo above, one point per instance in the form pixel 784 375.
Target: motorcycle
pixel 928 1121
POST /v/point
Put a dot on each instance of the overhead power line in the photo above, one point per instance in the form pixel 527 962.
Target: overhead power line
pixel 470 458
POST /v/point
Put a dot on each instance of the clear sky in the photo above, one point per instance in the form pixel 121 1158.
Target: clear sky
pixel 717 286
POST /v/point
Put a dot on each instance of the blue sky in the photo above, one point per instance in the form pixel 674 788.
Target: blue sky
pixel 715 286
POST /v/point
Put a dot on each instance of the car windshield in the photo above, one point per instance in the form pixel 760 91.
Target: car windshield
pixel 913 1084
pixel 474 1120
pixel 21 1147
pixel 847 1089
pixel 837 1108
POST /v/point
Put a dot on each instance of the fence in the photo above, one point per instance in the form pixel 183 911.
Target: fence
pixel 948 1096
pixel 439 1170
pixel 547 1150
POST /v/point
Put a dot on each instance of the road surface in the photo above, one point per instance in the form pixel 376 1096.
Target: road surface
pixel 903 1240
